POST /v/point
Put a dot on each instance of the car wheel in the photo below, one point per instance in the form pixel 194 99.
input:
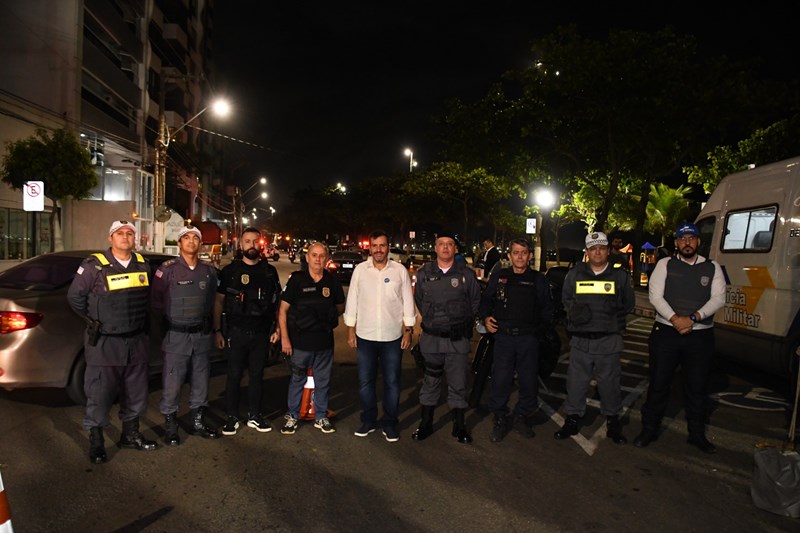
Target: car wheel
pixel 74 388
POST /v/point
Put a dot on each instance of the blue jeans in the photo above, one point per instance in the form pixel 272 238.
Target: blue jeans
pixel 321 364
pixel 389 354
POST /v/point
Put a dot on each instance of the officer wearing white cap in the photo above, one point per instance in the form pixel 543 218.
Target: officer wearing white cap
pixel 111 291
pixel 597 299
pixel 184 290
pixel 686 291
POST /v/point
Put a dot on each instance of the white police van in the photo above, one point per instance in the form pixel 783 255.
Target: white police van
pixel 751 227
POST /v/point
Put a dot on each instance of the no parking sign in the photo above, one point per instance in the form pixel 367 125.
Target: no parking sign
pixel 33 196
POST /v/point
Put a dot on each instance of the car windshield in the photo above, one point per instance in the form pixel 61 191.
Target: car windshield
pixel 41 273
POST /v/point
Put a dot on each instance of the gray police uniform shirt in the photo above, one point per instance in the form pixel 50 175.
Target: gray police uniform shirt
pixel 185 297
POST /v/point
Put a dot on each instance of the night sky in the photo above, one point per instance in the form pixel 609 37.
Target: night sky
pixel 336 91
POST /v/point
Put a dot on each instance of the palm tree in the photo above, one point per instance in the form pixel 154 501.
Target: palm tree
pixel 666 208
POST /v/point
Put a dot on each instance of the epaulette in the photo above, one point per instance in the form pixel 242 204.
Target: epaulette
pixel 100 257
pixel 139 257
pixel 169 262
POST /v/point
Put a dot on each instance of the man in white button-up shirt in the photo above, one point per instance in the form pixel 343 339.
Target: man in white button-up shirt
pixel 380 317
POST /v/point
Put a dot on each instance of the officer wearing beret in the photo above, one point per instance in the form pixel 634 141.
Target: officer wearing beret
pixel 447 296
pixel 111 291
pixel 247 296
pixel 183 294
pixel 516 302
pixel 597 299
pixel 686 291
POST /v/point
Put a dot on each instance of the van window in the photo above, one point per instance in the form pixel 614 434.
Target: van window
pixel 706 227
pixel 749 230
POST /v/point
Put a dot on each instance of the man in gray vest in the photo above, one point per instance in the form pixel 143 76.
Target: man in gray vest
pixel 184 290
pixel 111 291
pixel 686 291
pixel 447 296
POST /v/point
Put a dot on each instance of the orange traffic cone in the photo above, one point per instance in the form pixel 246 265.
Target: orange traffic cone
pixel 307 409
pixel 5 514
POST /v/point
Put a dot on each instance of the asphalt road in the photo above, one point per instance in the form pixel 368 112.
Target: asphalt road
pixel 338 482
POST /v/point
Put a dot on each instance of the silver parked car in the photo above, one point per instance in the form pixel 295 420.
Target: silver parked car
pixel 41 337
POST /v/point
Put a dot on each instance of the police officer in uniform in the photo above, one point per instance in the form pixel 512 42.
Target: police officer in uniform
pixel 515 303
pixel 248 294
pixel 183 293
pixel 597 299
pixel 309 312
pixel 447 296
pixel 111 291
pixel 686 291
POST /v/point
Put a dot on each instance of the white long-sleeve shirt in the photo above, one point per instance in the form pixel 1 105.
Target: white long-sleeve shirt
pixel 657 282
pixel 380 302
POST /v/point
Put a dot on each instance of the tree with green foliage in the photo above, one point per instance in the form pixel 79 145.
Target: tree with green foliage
pixel 461 191
pixel 778 141
pixel 56 159
pixel 666 208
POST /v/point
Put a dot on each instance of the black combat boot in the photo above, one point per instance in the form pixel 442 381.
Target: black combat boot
pixel 425 428
pixel 614 430
pixel 199 427
pixel 569 428
pixel 132 437
pixel 97 447
pixel 500 429
pixel 697 437
pixel 171 437
pixel 648 435
pixel 460 427
pixel 524 425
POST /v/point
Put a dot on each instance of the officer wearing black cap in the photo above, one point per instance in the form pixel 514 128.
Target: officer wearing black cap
pixel 111 291
pixel 516 302
pixel 597 299
pixel 183 293
pixel 686 291
pixel 447 296
pixel 248 295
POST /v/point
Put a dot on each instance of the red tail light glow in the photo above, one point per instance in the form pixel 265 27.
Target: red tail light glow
pixel 11 321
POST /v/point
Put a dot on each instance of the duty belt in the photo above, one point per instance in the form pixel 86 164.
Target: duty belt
pixel 513 332
pixel 126 334
pixel 187 329
pixel 457 331
pixel 591 334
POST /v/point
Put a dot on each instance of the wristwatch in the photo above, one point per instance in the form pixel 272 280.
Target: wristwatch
pixel 692 318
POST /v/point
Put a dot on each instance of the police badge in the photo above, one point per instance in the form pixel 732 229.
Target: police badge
pixel 245 279
pixel 704 281
pixel 454 282
pixel 607 287
pixel 203 285
pixel 326 292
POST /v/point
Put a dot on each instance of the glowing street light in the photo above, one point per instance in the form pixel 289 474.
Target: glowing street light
pixel 411 161
pixel 545 200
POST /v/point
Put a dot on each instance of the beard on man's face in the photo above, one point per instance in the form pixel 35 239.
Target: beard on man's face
pixel 252 253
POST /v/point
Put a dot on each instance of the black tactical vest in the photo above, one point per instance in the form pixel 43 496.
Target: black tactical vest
pixel 688 287
pixel 122 306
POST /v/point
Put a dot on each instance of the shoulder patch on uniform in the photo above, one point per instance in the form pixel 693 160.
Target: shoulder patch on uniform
pixel 169 262
pixel 80 270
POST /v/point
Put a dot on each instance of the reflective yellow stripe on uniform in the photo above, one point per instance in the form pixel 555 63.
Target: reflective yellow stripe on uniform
pixel 128 280
pixel 102 259
pixel 595 287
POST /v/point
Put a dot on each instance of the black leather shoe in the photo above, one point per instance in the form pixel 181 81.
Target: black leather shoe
pixel 422 432
pixel 702 443
pixel 463 436
pixel 614 430
pixel 171 437
pixel 97 449
pixel 569 429
pixel 136 441
pixel 644 438
pixel 199 427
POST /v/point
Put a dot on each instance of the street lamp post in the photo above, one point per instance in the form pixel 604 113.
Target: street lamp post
pixel 161 212
pixel 411 161
pixel 545 200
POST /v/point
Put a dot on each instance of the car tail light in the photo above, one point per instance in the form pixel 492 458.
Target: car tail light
pixel 14 321
pixel 331 265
